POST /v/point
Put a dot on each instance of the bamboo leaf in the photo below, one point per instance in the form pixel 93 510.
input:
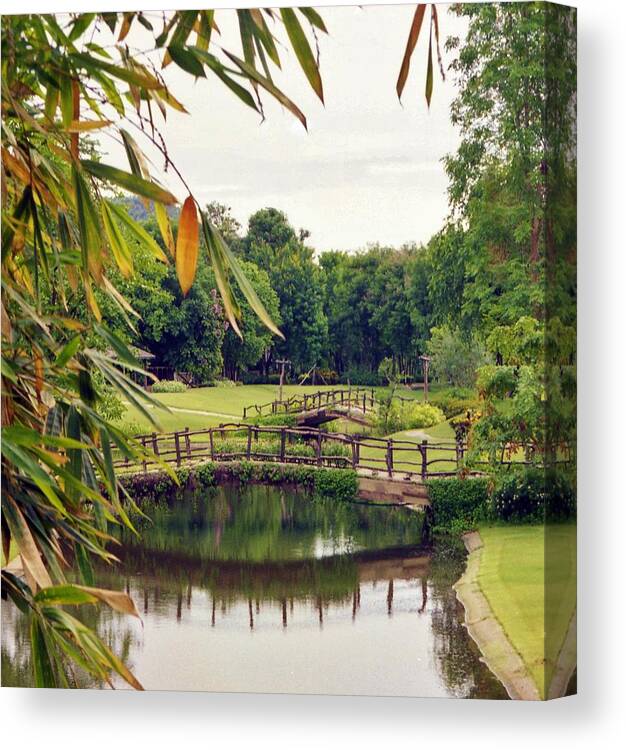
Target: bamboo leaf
pixel 91 248
pixel 220 71
pixel 231 262
pixel 138 232
pixel 128 181
pixel 302 49
pixel 187 245
pixel 80 126
pixel 42 665
pixel 117 243
pixel 187 60
pixel 31 556
pixel 314 18
pixel 165 227
pixel 429 69
pixel 67 594
pixel 254 75
pixel 231 308
pixel 117 600
pixel 410 47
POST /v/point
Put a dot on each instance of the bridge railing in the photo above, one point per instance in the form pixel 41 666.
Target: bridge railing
pixel 297 445
pixel 356 398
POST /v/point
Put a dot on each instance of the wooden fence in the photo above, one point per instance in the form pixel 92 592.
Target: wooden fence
pixel 297 445
pixel 351 398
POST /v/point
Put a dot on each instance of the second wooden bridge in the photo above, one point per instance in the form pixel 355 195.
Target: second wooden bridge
pixel 314 409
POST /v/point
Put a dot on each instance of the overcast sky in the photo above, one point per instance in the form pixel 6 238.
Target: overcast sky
pixel 368 170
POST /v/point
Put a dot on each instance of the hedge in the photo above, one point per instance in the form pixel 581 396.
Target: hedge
pixel 157 487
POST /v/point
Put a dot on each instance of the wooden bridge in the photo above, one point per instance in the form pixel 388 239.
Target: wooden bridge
pixel 390 470
pixel 314 409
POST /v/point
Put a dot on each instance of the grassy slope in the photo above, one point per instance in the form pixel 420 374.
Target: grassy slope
pixel 512 579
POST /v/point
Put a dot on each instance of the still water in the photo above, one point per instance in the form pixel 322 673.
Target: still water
pixel 267 590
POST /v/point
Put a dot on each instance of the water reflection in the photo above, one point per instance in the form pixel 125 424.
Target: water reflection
pixel 263 590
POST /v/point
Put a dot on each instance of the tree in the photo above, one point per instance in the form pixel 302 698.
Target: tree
pixel 242 353
pixel 455 357
pixel 273 245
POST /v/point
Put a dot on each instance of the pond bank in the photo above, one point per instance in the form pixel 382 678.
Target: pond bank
pixel 519 592
pixel 498 652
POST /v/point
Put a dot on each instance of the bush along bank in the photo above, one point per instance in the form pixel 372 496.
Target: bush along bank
pixel 515 496
pixel 158 487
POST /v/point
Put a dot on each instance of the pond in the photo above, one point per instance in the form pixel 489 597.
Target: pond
pixel 267 590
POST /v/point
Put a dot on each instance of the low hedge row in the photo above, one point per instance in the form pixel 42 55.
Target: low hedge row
pixel 157 487
pixel 518 496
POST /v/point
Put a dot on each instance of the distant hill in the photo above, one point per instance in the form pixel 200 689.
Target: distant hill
pixel 138 211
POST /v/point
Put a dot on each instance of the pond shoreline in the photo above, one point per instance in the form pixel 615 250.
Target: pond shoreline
pixel 498 652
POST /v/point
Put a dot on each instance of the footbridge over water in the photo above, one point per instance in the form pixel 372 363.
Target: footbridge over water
pixel 314 409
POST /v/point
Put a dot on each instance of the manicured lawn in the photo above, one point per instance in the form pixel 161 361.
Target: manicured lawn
pixel 532 593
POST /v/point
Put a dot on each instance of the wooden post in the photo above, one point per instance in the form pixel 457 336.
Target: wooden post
pixel 249 445
pixel 282 445
pixel 143 445
pixel 187 443
pixel 319 448
pixel 390 457
pixel 364 404
pixel 211 444
pixel 245 411
pixel 155 444
pixel 177 444
pixel 424 451
pixel 355 453
pixel 426 364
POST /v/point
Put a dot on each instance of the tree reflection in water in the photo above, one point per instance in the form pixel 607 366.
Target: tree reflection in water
pixel 265 558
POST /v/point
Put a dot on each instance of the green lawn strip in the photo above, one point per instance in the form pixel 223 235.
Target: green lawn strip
pixel 229 399
pixel 373 453
pixel 511 577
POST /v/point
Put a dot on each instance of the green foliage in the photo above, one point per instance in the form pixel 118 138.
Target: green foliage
pixel 338 484
pixel 272 420
pixel 458 505
pixel 168 386
pixel 242 353
pixel 455 357
pixel 271 244
pixel 533 495
pixel 416 416
pixel 455 402
pixel 156 488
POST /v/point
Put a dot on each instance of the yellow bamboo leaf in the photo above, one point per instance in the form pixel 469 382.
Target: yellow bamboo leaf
pixel 165 227
pixel 187 245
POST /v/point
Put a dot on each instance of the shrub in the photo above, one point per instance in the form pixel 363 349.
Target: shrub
pixel 168 386
pixel 533 495
pixel 338 484
pixel 458 504
pixel 452 405
pixel 422 415
pixel 270 420
pixel 156 488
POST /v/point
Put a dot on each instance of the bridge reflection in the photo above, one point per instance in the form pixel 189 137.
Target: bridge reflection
pixel 168 580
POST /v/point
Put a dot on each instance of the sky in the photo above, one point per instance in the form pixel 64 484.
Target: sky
pixel 368 169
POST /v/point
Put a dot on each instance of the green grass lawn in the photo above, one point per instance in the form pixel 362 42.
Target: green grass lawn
pixel 531 591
